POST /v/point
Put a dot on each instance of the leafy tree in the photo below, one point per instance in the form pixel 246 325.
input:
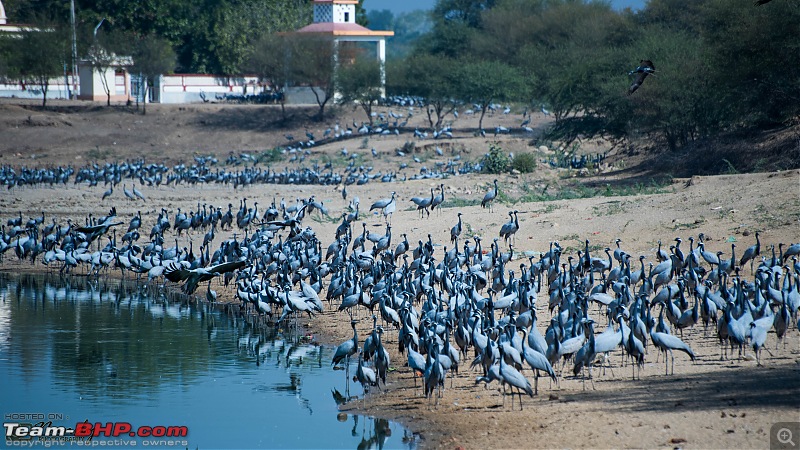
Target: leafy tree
pixel 152 57
pixel 484 82
pixel 38 56
pixel 677 14
pixel 37 11
pixel 360 82
pixel 108 51
pixel 6 53
pixel 271 60
pixel 466 12
pixel 433 79
pixel 747 51
pixel 507 28
pixel 238 24
pixel 455 22
pixel 447 39
pixel 361 14
pixel 381 19
pixel 408 28
pixel 313 66
pixel 207 36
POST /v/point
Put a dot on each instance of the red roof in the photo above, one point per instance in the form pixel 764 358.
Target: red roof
pixel 342 29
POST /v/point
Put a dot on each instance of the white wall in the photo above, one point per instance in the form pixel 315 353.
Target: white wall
pixel 192 88
pixel 57 89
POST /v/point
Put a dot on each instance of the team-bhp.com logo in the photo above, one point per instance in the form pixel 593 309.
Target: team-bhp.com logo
pixel 85 432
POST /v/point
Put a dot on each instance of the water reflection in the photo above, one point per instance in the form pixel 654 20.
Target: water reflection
pixel 110 352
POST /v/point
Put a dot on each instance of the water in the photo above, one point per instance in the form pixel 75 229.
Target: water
pixel 76 351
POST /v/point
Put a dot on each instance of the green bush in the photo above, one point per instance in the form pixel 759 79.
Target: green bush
pixel 524 162
pixel 496 161
pixel 270 156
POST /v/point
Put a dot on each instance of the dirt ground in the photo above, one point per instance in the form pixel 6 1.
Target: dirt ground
pixel 705 404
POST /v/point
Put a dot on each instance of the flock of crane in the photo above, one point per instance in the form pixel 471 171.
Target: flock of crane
pixel 240 171
pixel 442 308
pixel 242 168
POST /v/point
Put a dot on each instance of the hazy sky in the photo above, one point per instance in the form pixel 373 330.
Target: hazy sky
pixel 398 6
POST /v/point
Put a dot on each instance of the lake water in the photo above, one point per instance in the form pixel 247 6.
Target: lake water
pixel 73 351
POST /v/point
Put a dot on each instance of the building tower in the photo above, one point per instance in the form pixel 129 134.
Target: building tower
pixel 337 19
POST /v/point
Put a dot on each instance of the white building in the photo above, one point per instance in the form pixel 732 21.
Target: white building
pixel 93 85
pixel 337 19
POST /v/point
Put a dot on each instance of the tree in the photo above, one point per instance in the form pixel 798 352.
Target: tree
pixel 235 25
pixel 360 82
pixel 484 82
pixel 432 78
pixel 38 56
pixel 271 60
pixel 381 19
pixel 407 27
pixel 109 51
pixel 6 53
pixel 102 60
pixel 455 22
pixel 743 47
pixel 313 66
pixel 466 12
pixel 152 57
pixel 361 14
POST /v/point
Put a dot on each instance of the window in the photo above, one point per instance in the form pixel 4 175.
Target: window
pixel 347 17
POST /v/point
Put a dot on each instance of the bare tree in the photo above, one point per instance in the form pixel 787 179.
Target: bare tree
pixel 152 57
pixel 313 65
pixel 271 60
pixel 38 56
pixel 108 51
pixel 101 60
pixel 360 82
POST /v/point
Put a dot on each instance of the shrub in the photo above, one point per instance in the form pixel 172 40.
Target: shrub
pixel 270 156
pixel 496 161
pixel 524 162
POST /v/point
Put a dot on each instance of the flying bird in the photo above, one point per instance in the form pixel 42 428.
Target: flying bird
pixel 177 272
pixel 645 68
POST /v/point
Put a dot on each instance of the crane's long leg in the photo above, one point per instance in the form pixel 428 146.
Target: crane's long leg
pixel 633 370
pixel 583 378
pixel 608 360
pixel 666 363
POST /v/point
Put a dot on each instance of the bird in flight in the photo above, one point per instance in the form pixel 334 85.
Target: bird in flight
pixel 645 68
pixel 178 271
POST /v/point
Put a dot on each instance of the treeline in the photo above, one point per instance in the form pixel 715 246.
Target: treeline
pixel 207 36
pixel 720 64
